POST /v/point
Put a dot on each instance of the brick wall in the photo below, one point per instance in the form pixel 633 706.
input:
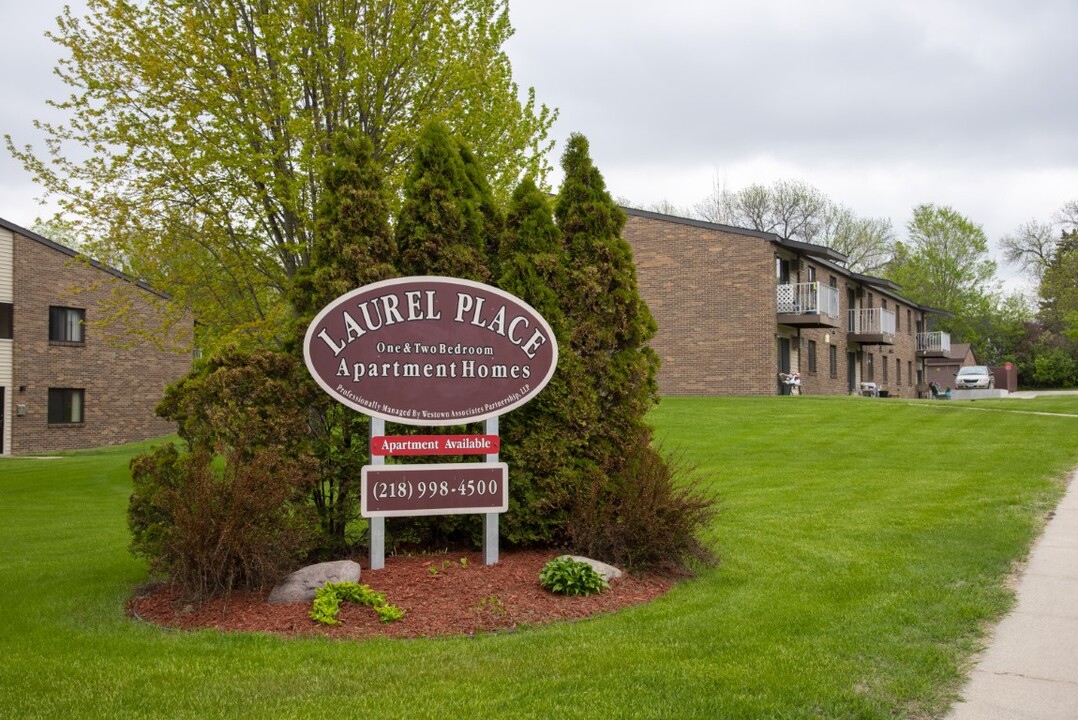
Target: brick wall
pixel 121 367
pixel 712 294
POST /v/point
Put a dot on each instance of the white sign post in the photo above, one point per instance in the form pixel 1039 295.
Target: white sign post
pixel 378 524
pixel 490 520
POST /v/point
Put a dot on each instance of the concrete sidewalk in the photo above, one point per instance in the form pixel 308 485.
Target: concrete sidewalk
pixel 1030 667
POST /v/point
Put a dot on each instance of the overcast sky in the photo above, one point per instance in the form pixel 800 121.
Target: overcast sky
pixel 881 106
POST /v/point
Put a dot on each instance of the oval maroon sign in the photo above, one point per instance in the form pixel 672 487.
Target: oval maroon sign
pixel 430 350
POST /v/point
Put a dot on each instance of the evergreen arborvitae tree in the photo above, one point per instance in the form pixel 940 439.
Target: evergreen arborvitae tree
pixel 441 228
pixel 637 506
pixel 490 213
pixel 544 442
pixel 444 227
pixel 610 323
pixel 353 246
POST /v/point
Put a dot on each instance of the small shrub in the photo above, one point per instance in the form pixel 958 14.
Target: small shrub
pixel 213 531
pixel 1055 367
pixel 490 613
pixel 567 576
pixel 650 515
pixel 328 599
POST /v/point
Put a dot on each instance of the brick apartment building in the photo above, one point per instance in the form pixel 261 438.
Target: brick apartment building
pixel 84 353
pixel 737 307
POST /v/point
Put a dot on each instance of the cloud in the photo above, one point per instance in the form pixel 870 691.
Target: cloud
pixel 881 106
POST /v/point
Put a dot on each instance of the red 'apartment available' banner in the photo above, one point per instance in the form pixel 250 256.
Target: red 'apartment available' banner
pixel 434 445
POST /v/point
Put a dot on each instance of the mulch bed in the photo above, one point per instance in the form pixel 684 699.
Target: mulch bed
pixel 440 595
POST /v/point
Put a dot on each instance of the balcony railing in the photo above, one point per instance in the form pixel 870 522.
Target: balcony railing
pixel 807 299
pixel 872 321
pixel 934 343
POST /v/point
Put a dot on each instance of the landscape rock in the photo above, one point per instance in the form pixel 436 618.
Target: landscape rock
pixel 300 586
pixel 606 572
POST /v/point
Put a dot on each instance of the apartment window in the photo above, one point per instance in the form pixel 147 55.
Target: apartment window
pixel 832 360
pixel 909 372
pixel 885 368
pixel 7 317
pixel 65 406
pixel 812 357
pixel 869 368
pixel 898 319
pixel 65 324
pixel 909 322
pixel 898 371
pixel 811 274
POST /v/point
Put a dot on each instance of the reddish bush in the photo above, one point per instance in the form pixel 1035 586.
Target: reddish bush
pixel 651 515
pixel 212 531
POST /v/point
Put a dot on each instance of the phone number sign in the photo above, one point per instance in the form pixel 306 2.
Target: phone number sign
pixel 435 489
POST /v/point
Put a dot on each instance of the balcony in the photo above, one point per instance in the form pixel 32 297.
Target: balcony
pixel 933 344
pixel 872 326
pixel 809 305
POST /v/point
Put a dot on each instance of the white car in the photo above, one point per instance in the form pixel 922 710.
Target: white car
pixel 974 376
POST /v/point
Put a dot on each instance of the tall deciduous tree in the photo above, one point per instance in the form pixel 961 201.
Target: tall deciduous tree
pixel 197 131
pixel 796 210
pixel 946 265
pixel 1033 244
pixel 867 243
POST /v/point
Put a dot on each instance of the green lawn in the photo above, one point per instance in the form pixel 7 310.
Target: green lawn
pixel 1066 404
pixel 864 548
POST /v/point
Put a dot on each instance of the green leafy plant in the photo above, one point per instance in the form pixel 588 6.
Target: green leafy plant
pixel 491 614
pixel 492 605
pixel 566 576
pixel 389 613
pixel 328 599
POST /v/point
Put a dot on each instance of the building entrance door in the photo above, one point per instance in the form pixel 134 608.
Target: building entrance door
pixel 784 363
